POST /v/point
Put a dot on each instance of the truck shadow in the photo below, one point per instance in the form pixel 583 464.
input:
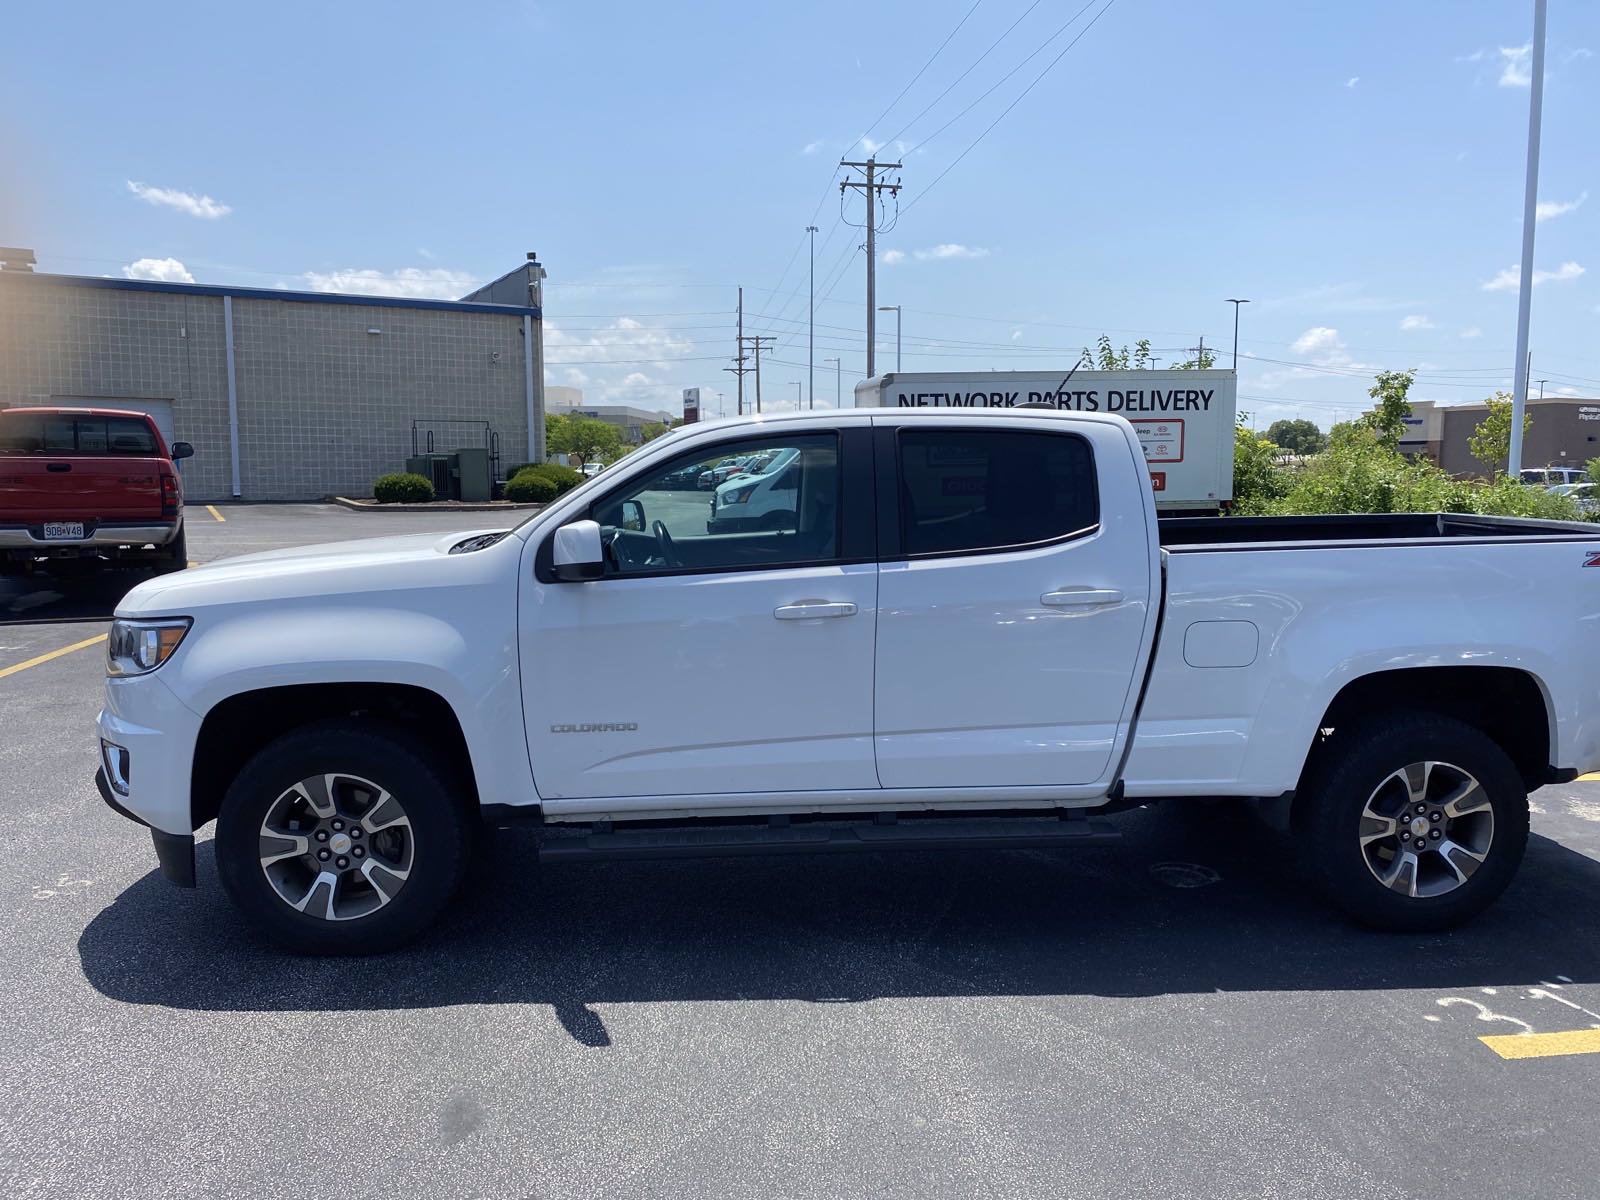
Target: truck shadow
pixel 36 599
pixel 1123 920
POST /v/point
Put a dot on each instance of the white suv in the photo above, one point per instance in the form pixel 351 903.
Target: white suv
pixel 762 497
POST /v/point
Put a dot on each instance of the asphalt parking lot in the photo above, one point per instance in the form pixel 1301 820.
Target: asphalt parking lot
pixel 1170 1016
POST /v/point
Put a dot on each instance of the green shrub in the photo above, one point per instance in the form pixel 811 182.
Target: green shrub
pixel 1506 497
pixel 565 478
pixel 402 487
pixel 531 487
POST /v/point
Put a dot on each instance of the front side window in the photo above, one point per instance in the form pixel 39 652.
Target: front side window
pixel 716 510
pixel 964 490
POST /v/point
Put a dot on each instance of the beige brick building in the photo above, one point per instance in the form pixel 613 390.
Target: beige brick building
pixel 285 395
pixel 1564 432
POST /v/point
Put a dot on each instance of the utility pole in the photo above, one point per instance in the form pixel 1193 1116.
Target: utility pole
pixel 895 309
pixel 738 369
pixel 755 340
pixel 870 187
pixel 1236 304
pixel 811 343
pixel 722 409
pixel 797 395
pixel 1530 203
pixel 1199 353
pixel 837 379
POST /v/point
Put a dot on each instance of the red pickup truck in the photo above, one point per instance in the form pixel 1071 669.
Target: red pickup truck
pixel 95 486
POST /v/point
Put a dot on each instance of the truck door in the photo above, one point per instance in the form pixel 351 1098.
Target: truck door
pixel 1014 603
pixel 716 654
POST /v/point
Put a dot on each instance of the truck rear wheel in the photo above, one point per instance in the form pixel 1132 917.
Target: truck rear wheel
pixel 342 838
pixel 174 556
pixel 1412 821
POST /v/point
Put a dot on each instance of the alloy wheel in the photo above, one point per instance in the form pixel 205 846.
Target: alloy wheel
pixel 1426 828
pixel 336 847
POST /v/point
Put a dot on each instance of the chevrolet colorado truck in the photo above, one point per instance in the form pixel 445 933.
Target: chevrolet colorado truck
pixel 972 630
pixel 96 487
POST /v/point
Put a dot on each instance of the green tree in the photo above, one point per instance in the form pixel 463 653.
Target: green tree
pixel 1297 436
pixel 1594 470
pixel 1388 416
pixel 1258 481
pixel 651 431
pixel 582 438
pixel 1490 443
pixel 1105 357
pixel 1203 360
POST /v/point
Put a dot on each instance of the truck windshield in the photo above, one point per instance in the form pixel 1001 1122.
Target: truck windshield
pixel 58 433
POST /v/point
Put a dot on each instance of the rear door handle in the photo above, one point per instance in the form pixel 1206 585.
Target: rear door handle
pixel 807 610
pixel 1081 597
pixel 58 466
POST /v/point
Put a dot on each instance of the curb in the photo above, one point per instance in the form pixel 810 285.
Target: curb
pixel 435 506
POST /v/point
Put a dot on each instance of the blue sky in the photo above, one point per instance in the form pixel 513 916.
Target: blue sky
pixel 1353 169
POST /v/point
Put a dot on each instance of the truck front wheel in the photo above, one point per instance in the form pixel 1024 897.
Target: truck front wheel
pixel 342 838
pixel 1412 821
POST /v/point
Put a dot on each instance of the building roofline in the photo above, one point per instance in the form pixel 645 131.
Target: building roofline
pixel 255 293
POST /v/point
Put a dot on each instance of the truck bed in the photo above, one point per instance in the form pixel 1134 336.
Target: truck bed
pixel 1193 533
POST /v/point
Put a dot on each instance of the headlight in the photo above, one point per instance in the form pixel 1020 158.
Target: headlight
pixel 737 496
pixel 139 647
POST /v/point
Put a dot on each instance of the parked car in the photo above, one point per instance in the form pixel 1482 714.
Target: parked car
pixel 711 476
pixel 1585 495
pixel 761 497
pixel 978 634
pixel 96 487
pixel 687 479
pixel 1547 476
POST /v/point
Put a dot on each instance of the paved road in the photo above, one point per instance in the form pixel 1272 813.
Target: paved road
pixel 1094 1023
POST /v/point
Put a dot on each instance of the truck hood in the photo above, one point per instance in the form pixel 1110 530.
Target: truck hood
pixel 330 569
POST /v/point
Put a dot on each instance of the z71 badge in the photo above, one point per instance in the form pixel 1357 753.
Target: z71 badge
pixel 1591 558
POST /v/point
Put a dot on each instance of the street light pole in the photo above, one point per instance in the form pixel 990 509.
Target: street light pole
pixel 837 373
pixel 1236 304
pixel 895 309
pixel 1541 383
pixel 811 345
pixel 1530 203
pixel 797 395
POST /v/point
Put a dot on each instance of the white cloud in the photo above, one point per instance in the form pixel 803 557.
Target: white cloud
pixel 1473 332
pixel 1567 391
pixel 185 202
pixel 870 146
pixel 1016 335
pixel 1576 53
pixel 1475 56
pixel 1516 65
pixel 1546 209
pixel 432 283
pixel 890 257
pixel 1509 279
pixel 636 379
pixel 952 250
pixel 1414 322
pixel 1352 81
pixel 166 270
pixel 812 147
pixel 1319 340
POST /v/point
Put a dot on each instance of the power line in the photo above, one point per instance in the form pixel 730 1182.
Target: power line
pixel 1003 113
pixel 920 73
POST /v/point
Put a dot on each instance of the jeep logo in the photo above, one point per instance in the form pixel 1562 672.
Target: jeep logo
pixel 597 727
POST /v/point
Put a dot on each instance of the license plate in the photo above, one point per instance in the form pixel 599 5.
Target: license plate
pixel 63 531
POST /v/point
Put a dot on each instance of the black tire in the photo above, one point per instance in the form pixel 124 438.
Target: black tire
pixel 1328 822
pixel 431 796
pixel 174 556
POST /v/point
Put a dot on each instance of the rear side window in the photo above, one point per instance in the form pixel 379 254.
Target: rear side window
pixel 52 433
pixel 967 490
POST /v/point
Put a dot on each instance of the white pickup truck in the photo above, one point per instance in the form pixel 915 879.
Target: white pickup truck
pixel 971 630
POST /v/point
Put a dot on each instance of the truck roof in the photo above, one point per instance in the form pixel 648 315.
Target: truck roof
pixel 73 410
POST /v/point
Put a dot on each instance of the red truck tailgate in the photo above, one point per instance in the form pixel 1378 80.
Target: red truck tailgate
pixel 79 466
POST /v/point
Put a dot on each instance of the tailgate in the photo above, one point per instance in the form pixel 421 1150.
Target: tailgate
pixel 35 488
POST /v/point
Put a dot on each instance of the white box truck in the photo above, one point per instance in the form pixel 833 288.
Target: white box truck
pixel 1184 419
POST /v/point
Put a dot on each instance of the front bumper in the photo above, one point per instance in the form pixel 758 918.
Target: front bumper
pixel 174 851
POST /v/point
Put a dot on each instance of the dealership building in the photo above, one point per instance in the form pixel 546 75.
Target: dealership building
pixel 1564 432
pixel 285 395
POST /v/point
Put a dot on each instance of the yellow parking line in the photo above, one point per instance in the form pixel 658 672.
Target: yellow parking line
pixel 1544 1045
pixel 212 509
pixel 1591 777
pixel 44 658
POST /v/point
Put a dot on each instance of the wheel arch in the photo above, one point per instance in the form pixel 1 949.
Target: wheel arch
pixel 235 728
pixel 1509 705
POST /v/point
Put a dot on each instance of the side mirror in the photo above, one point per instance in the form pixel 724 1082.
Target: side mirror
pixel 633 515
pixel 576 553
pixel 182 450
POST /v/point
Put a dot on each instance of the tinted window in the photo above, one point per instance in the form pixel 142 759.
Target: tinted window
pixel 963 490
pixel 62 434
pixel 689 516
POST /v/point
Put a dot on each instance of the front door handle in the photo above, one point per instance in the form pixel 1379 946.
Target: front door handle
pixel 1081 598
pixel 58 467
pixel 807 610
